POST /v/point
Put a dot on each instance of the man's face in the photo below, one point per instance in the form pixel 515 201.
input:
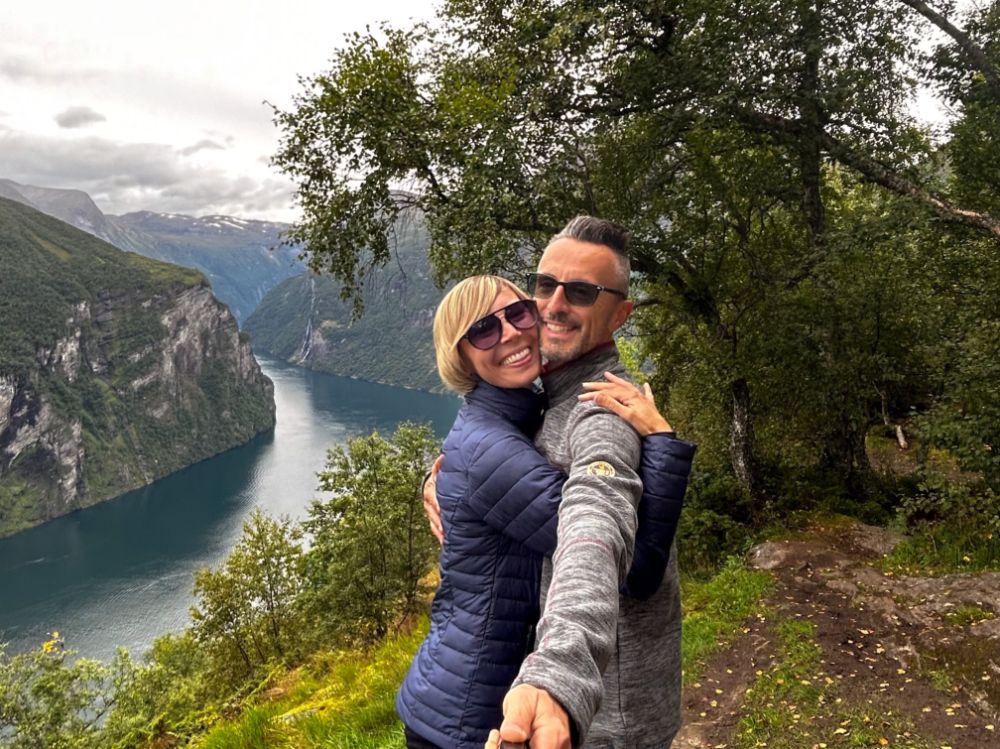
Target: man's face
pixel 569 331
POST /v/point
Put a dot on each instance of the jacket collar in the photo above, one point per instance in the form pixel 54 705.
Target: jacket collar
pixel 522 406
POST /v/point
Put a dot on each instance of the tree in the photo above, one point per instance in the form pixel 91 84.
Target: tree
pixel 165 694
pixel 967 73
pixel 246 616
pixel 965 409
pixel 512 116
pixel 371 546
pixel 49 699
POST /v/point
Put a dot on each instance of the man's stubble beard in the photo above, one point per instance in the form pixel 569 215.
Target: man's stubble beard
pixel 559 355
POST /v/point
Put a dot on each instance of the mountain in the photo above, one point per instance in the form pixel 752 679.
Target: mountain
pixel 75 207
pixel 235 254
pixel 304 321
pixel 115 370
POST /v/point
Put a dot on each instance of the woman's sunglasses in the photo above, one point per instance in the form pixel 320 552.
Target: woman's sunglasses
pixel 578 293
pixel 486 332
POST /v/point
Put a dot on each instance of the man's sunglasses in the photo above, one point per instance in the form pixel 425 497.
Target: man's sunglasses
pixel 486 332
pixel 578 293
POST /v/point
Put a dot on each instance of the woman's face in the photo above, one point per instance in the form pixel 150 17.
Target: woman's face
pixel 515 361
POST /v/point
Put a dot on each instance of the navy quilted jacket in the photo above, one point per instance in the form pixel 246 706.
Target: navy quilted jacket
pixel 499 499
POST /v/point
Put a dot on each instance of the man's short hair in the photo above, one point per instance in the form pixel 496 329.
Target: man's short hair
pixel 603 232
pixel 466 303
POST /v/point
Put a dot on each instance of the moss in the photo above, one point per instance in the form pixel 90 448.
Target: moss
pixel 967 663
pixel 19 502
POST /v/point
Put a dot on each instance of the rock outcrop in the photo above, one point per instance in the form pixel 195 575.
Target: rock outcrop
pixel 115 370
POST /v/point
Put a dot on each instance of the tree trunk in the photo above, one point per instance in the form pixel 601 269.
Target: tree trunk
pixel 741 439
pixel 896 428
pixel 811 117
pixel 844 454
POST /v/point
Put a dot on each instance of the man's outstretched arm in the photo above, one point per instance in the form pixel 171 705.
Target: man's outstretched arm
pixel 577 633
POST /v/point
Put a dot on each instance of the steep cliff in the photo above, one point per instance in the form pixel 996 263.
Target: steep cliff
pixel 115 370
pixel 304 321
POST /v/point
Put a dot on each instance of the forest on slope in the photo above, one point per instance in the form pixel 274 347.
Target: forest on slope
pixel 305 320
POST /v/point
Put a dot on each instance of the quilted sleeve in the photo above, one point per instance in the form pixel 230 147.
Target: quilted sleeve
pixel 516 490
pixel 664 469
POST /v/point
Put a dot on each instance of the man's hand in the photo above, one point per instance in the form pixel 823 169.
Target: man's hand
pixel 431 507
pixel 531 713
pixel 634 404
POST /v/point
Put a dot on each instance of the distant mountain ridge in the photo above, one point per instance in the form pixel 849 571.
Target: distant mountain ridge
pixel 234 254
pixel 304 321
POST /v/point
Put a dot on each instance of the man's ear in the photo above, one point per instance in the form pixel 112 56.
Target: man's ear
pixel 625 308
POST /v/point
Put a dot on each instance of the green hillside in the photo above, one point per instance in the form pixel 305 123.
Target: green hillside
pixel 304 321
pixel 49 267
pixel 242 259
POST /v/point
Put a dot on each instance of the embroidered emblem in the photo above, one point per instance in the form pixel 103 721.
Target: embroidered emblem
pixel 600 468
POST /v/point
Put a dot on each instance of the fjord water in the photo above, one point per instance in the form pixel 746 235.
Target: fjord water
pixel 121 573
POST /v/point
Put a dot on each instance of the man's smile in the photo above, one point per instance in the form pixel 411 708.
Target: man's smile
pixel 558 328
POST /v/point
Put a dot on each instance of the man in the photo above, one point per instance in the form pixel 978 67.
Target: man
pixel 587 630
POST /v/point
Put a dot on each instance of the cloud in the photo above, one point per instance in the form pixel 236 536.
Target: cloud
pixel 125 177
pixel 78 117
pixel 20 68
pixel 201 145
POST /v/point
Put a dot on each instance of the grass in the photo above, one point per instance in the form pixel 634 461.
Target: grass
pixel 938 549
pixel 346 700
pixel 963 616
pixel 338 700
pixel 714 612
pixel 796 704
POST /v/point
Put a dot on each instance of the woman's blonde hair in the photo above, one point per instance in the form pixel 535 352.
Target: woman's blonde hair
pixel 466 303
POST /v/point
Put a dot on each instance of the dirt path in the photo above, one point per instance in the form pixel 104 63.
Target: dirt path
pixel 918 652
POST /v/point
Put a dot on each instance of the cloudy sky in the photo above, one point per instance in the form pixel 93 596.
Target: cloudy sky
pixel 159 106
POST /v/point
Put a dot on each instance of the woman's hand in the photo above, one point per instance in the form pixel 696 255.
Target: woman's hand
pixel 634 404
pixel 431 507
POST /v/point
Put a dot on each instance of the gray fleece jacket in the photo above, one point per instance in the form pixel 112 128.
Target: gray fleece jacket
pixel 613 662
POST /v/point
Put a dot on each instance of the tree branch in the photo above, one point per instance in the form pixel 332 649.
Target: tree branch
pixel 974 52
pixel 873 171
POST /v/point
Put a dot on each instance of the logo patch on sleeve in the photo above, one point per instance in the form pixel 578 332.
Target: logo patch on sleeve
pixel 600 468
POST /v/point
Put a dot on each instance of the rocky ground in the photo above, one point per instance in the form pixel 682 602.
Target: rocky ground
pixel 903 661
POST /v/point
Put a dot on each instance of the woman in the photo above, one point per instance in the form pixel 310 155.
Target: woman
pixel 499 499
